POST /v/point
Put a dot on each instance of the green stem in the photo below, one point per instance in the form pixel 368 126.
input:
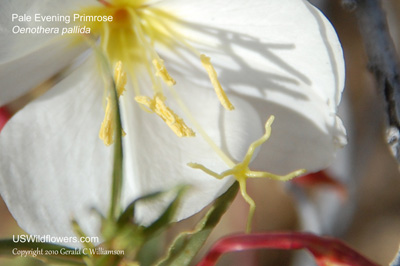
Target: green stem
pixel 116 188
pixel 115 207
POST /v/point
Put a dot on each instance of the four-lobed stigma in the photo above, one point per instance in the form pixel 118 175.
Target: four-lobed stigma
pixel 241 171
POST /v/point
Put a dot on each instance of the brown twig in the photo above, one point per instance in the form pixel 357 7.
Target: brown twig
pixel 383 62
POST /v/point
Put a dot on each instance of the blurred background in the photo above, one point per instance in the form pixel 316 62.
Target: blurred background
pixel 368 219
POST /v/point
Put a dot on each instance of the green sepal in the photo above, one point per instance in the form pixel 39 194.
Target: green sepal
pixel 107 260
pixel 148 252
pixel 128 214
pixel 168 215
pixel 125 234
pixel 79 232
pixel 187 244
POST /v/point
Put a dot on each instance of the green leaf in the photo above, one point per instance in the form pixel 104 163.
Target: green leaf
pixel 49 253
pixel 187 244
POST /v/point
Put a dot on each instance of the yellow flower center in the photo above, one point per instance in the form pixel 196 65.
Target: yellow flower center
pixel 131 37
pixel 121 18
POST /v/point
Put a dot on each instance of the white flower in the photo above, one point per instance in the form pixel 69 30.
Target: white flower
pixel 272 57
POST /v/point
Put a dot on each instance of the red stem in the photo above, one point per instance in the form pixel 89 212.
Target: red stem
pixel 327 251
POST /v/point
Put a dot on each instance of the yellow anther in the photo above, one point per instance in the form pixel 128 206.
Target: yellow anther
pixel 162 72
pixel 241 171
pixel 157 105
pixel 107 129
pixel 212 74
pixel 108 125
pixel 119 78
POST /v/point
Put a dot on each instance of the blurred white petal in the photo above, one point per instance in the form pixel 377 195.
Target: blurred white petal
pixel 26 60
pixel 53 165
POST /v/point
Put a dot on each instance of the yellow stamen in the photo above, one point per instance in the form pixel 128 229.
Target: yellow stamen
pixel 107 129
pixel 107 126
pixel 120 78
pixel 241 171
pixel 212 74
pixel 162 72
pixel 157 105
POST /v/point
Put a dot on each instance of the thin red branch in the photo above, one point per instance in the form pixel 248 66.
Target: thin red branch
pixel 326 251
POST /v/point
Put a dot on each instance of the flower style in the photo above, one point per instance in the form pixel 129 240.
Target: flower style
pixel 202 79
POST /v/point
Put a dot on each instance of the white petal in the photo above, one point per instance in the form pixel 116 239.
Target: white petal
pixel 17 45
pixel 284 58
pixel 156 158
pixel 331 213
pixel 53 165
pixel 27 60
pixel 25 73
